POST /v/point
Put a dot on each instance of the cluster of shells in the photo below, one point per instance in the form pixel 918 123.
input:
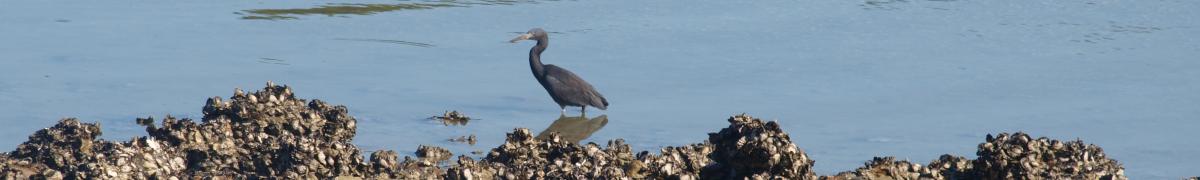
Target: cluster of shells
pixel 890 168
pixel 452 118
pixel 70 150
pixel 264 134
pixel 751 148
pixel 1005 156
pixel 523 156
pixel 267 133
pixel 1018 156
pixel 684 162
pixel 465 139
pixel 386 165
pixel 270 134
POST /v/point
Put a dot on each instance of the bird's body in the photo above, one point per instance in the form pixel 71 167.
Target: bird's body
pixel 566 88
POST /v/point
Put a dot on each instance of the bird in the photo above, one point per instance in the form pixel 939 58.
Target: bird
pixel 566 88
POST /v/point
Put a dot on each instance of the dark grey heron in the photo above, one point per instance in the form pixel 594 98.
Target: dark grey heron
pixel 566 88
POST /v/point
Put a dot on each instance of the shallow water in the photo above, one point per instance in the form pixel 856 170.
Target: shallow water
pixel 847 79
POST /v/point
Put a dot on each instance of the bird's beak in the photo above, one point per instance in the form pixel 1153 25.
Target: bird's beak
pixel 525 36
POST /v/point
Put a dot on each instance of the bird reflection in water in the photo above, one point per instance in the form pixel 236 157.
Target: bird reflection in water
pixel 574 128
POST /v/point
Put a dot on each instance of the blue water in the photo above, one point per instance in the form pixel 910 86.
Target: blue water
pixel 847 79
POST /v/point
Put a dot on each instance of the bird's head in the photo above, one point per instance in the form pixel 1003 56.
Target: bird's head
pixel 533 34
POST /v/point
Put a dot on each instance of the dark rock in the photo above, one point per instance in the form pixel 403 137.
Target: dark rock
pixel 267 133
pixel 419 169
pixel 452 118
pixel 952 167
pixel 471 139
pixel 467 168
pixel 384 165
pixel 384 162
pixel 270 134
pixel 684 162
pixel 21 169
pixel 66 147
pixel 1018 156
pixel 433 154
pixel 751 148
pixel 524 157
pixel 1004 156
pixel 888 168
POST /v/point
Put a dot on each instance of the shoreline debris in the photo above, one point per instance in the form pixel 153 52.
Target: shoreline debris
pixel 452 118
pixel 464 139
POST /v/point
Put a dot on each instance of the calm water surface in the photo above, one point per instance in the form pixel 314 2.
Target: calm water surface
pixel 848 79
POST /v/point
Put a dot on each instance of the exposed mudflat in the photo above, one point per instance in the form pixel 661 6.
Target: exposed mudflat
pixel 270 133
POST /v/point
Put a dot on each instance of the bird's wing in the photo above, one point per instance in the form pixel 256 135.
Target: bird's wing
pixel 569 87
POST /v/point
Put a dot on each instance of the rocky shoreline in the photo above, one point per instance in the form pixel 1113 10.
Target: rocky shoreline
pixel 271 134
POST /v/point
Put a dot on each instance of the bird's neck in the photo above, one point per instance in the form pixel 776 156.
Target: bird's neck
pixel 535 58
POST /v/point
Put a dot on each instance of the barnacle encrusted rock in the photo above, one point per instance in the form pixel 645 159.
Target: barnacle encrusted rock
pixel 752 148
pixel 1018 156
pixel 952 167
pixel 383 164
pixel 267 133
pixel 67 147
pixel 467 168
pixel 271 134
pixel 464 139
pixel 888 168
pixel 433 154
pixel 452 118
pixel 23 169
pixel 524 157
pixel 684 162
